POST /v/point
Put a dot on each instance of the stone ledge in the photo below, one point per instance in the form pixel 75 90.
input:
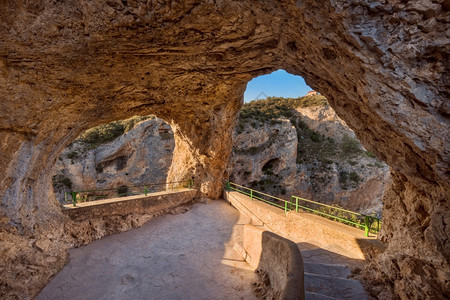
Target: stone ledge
pixel 140 204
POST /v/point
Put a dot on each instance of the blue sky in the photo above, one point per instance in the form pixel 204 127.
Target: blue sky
pixel 279 83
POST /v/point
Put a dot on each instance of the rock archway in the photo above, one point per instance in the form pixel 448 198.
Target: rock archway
pixel 66 66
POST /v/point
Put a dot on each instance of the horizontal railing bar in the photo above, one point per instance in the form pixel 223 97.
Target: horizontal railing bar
pixel 368 225
pixel 321 204
pixel 267 201
pixel 127 186
pixel 260 193
pixel 338 218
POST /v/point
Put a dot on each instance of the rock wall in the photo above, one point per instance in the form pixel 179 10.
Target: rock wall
pixel 141 156
pixel 66 66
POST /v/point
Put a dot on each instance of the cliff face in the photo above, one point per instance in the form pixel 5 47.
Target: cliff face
pixel 278 158
pixel 66 66
pixel 141 156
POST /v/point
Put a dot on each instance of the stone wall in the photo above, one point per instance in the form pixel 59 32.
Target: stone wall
pixel 150 204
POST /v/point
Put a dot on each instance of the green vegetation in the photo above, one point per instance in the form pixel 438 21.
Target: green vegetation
pixel 350 147
pixel 60 181
pixel 353 176
pixel 106 133
pixel 378 164
pixel 72 155
pixel 370 154
pixel 276 107
pixel 122 191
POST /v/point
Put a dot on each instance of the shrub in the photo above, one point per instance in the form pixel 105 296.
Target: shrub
pixel 122 191
pixel 315 136
pixel 349 146
pixel 60 181
pixel 72 155
pixel 103 134
pixel 353 176
pixel 370 154
pixel 343 177
pixel 379 164
pixel 106 133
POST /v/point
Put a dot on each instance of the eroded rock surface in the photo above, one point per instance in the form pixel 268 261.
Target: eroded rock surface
pixel 68 66
pixel 270 157
pixel 139 157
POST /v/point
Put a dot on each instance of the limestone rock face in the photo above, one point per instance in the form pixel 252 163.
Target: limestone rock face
pixel 266 158
pixel 274 145
pixel 66 66
pixel 139 157
pixel 324 120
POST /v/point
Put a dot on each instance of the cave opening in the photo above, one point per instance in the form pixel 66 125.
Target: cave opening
pixel 289 141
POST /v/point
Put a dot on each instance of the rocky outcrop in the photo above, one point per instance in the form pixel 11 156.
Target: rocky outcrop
pixel 270 145
pixel 270 157
pixel 139 157
pixel 66 66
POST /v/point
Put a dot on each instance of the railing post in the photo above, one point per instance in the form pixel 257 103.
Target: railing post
pixel 65 197
pixel 74 198
pixel 145 190
pixel 191 183
pixel 285 207
pixel 366 225
pixel 227 185
pixel 296 204
pixel 251 195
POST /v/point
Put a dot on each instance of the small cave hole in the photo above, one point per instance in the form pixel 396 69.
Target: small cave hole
pixel 270 166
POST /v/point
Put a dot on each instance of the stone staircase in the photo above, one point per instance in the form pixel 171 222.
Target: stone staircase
pixel 327 269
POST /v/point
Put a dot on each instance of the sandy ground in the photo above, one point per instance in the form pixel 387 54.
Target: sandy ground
pixel 185 256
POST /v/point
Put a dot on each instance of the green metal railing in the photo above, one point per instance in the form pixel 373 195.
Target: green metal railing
pixel 278 202
pixel 365 222
pixel 368 223
pixel 122 191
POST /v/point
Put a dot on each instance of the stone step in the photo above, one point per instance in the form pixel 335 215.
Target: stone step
pixel 330 255
pixel 333 270
pixel 335 287
pixel 314 296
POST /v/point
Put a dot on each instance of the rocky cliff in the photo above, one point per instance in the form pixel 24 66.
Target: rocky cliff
pixel 140 156
pixel 312 155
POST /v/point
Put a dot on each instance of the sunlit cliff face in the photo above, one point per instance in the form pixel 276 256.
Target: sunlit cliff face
pixel 68 66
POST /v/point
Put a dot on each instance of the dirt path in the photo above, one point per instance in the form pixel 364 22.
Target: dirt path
pixel 186 256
